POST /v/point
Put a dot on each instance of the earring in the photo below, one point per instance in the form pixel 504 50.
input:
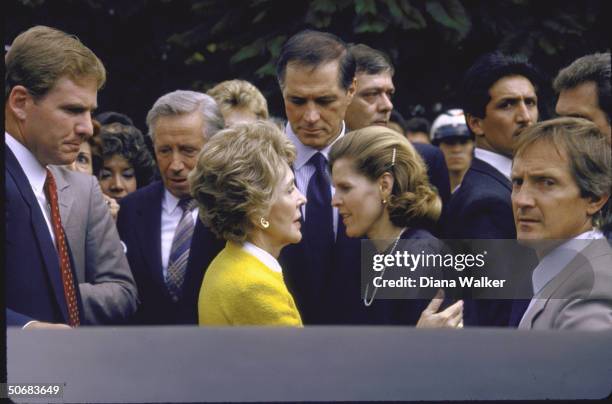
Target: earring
pixel 264 223
pixel 384 201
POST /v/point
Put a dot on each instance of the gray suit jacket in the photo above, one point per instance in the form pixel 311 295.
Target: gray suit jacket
pixel 579 297
pixel 105 281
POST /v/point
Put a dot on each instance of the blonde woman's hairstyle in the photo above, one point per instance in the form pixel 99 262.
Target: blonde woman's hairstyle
pixel 587 151
pixel 40 56
pixel 239 94
pixel 375 150
pixel 236 176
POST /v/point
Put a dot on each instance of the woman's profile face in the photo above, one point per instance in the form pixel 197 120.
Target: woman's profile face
pixel 358 199
pixel 117 177
pixel 83 162
pixel 285 213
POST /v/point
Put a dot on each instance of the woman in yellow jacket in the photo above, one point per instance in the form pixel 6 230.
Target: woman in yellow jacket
pixel 246 194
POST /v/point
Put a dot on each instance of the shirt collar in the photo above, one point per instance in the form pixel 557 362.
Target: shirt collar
pixel 304 153
pixel 555 261
pixel 34 171
pixel 169 202
pixel 502 163
pixel 262 255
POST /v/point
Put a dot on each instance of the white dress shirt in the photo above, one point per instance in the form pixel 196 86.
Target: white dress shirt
pixel 36 175
pixel 304 171
pixel 262 255
pixel 502 163
pixel 170 218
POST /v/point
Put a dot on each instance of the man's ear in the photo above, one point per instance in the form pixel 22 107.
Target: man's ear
pixel 596 203
pixel 475 124
pixel 17 102
pixel 352 88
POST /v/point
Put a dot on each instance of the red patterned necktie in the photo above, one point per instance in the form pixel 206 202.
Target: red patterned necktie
pixel 62 250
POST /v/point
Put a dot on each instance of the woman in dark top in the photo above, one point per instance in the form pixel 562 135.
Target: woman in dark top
pixel 382 192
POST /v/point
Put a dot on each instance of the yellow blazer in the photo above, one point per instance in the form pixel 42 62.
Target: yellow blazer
pixel 239 289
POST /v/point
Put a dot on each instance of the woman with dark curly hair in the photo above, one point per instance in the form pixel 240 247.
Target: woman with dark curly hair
pixel 246 195
pixel 124 163
pixel 84 163
pixel 383 193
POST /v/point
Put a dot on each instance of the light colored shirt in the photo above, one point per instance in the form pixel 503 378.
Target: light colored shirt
pixel 262 255
pixel 556 260
pixel 170 218
pixel 501 163
pixel 304 171
pixel 36 175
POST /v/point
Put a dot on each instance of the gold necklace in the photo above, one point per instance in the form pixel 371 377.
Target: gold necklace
pixel 367 302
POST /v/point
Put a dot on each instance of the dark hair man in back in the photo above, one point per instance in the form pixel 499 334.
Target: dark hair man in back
pixel 584 90
pixel 372 105
pixel 499 98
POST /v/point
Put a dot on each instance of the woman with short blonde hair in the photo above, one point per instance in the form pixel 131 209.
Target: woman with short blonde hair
pixel 246 194
pixel 239 101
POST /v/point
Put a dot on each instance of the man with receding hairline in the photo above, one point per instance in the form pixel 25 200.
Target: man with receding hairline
pixel 158 223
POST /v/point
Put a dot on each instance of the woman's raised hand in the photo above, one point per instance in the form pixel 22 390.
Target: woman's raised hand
pixel 451 317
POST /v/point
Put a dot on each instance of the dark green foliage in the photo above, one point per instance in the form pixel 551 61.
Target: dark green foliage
pixel 154 46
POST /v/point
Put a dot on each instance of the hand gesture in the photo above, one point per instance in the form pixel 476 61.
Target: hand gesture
pixel 451 317
pixel 41 325
pixel 112 205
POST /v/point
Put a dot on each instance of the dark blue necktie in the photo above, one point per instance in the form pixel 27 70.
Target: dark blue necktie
pixel 318 227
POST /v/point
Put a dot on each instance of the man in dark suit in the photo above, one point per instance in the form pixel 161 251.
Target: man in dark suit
pixel 372 105
pixel 47 115
pixel 316 74
pixel 499 100
pixel 158 223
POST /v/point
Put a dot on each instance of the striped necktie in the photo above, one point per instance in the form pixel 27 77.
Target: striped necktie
pixel 179 252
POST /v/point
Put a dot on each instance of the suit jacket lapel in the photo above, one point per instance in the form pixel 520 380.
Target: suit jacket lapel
pixel 532 313
pixel 484 167
pixel 41 230
pixel 64 196
pixel 150 239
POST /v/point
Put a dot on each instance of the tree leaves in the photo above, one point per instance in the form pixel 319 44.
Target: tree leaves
pixel 413 18
pixel 248 51
pixel 197 43
pixel 365 7
pixel 451 14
